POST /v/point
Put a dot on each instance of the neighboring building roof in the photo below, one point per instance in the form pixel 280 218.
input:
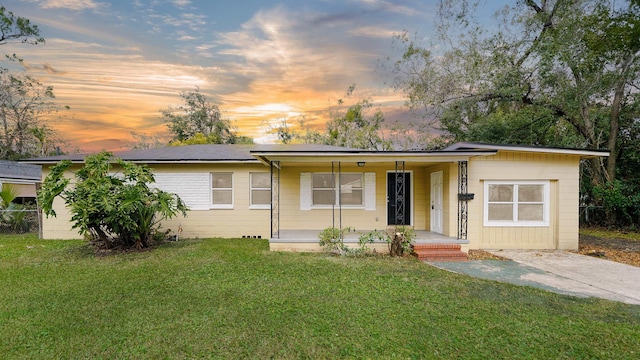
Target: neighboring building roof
pixel 583 153
pixel 196 153
pixel 27 173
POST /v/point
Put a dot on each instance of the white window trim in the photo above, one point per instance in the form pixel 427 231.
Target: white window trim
pixel 222 206
pixel 516 223
pixel 251 188
pixel 337 189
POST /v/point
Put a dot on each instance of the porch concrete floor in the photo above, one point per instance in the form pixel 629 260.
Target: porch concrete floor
pixel 311 236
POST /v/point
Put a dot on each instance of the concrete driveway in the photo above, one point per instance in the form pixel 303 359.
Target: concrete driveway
pixel 558 271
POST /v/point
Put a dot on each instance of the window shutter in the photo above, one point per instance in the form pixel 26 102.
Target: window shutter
pixel 305 191
pixel 370 191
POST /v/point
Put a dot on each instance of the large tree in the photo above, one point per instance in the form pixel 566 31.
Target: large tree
pixel 17 29
pixel 548 72
pixel 349 126
pixel 198 120
pixel 26 105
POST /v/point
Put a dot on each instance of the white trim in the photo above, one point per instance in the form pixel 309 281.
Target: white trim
pixel 194 188
pixel 469 145
pixel 305 191
pixel 515 223
pixel 337 191
pixel 222 206
pixel 253 206
pixel 369 189
pixel 436 224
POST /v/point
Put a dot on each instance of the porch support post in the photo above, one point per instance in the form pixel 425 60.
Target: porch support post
pixel 333 205
pixel 275 199
pixel 399 193
pixel 463 200
pixel 336 170
pixel 339 196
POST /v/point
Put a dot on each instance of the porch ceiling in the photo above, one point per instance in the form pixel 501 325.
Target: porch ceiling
pixel 353 157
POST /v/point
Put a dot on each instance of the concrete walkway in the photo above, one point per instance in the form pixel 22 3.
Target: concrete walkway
pixel 558 271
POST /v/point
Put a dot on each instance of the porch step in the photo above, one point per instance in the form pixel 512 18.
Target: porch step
pixel 439 252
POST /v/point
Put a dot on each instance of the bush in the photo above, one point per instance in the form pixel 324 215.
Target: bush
pixel 621 203
pixel 111 210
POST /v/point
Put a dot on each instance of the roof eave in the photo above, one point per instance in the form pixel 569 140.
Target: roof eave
pixel 584 154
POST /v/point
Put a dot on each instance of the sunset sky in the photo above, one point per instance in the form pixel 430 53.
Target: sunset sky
pixel 116 64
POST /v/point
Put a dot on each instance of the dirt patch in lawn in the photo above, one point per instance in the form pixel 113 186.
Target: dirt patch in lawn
pixel 483 255
pixel 626 251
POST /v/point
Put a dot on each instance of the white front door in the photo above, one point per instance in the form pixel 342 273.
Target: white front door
pixel 436 202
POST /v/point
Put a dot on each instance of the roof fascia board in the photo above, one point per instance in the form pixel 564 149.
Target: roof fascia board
pixel 76 161
pixel 582 153
pixel 435 156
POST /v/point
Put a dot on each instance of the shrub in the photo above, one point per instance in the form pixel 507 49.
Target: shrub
pixel 332 239
pixel 399 240
pixel 112 210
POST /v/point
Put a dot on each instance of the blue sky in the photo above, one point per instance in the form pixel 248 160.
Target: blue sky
pixel 118 63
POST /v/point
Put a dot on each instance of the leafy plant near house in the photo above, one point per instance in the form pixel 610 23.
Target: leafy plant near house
pixel 13 217
pixel 369 238
pixel 332 239
pixel 400 239
pixel 112 210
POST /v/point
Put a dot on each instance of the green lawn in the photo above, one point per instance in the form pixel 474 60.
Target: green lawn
pixel 233 299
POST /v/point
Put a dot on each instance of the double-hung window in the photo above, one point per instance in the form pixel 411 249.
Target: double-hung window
pixel 516 203
pixel 325 192
pixel 222 190
pixel 260 190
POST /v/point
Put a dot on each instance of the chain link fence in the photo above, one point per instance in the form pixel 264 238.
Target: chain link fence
pixel 19 221
pixel 592 215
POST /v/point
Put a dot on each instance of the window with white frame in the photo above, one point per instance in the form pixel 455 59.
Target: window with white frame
pixel 351 189
pixel 222 190
pixel 260 190
pixel 516 203
pixel 324 190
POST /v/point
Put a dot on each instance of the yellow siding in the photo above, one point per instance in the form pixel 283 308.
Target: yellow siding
pixel 292 218
pixel 237 222
pixel 563 174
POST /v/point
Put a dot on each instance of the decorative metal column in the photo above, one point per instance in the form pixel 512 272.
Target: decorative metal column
pixel 463 200
pixel 335 178
pixel 399 193
pixel 275 199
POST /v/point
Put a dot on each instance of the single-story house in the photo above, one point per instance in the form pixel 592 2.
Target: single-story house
pixel 481 196
pixel 24 178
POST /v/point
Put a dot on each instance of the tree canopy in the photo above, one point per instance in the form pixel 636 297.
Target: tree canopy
pixel 562 72
pixel 198 121
pixel 17 29
pixel 26 105
pixel 352 127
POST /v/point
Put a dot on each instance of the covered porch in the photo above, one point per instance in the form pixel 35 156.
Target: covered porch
pixel 384 190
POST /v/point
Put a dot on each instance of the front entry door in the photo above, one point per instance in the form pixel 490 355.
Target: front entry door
pixel 436 202
pixel 398 198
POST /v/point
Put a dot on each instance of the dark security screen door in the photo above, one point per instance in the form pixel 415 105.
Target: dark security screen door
pixel 394 179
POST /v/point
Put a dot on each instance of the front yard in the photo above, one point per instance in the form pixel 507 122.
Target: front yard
pixel 233 298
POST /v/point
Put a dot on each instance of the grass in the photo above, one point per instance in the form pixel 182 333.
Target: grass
pixel 218 298
pixel 611 234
